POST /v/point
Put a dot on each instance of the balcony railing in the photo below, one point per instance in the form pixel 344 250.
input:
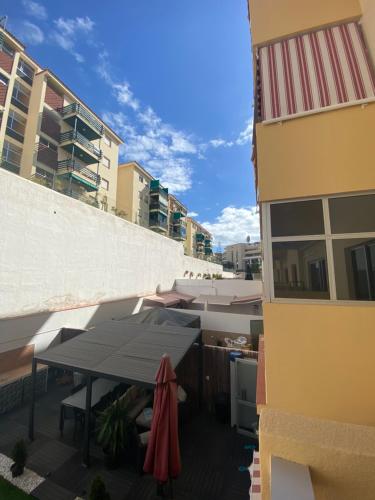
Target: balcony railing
pixel 76 109
pixel 157 205
pixel 71 164
pixel 74 136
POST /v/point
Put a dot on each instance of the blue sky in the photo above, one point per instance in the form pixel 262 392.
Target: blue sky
pixel 173 78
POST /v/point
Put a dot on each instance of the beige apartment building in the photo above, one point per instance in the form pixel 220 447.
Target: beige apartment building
pixel 177 213
pixel 198 241
pixel 133 193
pixel 48 135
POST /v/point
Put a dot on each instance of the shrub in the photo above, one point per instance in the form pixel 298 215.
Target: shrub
pixel 98 490
pixel 19 455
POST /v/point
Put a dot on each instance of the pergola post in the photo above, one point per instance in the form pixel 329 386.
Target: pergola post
pixel 86 438
pixel 32 404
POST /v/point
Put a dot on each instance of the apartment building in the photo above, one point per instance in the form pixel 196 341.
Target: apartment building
pixel 133 193
pixel 313 155
pixel 48 135
pixel 177 214
pixel 198 241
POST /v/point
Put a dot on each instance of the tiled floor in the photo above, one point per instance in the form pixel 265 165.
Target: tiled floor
pixel 211 456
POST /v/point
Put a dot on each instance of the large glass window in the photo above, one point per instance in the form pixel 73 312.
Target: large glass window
pixel 343 248
pixel 21 97
pixel 16 126
pixel 7 49
pixel 300 269
pixel 297 218
pixel 352 214
pixel 11 157
pixel 25 71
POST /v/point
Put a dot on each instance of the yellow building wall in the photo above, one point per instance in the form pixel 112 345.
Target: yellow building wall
pixel 272 19
pixel 320 360
pixel 324 153
pixel 125 192
pixel 368 25
pixel 341 457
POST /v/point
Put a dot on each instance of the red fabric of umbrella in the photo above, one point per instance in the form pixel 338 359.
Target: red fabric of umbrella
pixel 163 451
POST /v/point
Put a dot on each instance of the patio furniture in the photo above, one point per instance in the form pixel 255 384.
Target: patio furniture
pixel 77 401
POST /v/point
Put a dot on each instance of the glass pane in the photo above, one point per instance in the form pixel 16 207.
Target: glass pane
pixel 352 214
pixel 300 269
pixel 297 218
pixel 355 268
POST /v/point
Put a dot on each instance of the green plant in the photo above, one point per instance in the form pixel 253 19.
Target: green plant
pixel 114 429
pixel 98 490
pixel 255 267
pixel 19 455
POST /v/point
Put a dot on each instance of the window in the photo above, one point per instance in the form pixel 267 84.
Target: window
pixel 25 71
pixel 3 80
pixel 141 179
pixel 47 143
pixel 105 184
pixel 107 140
pixel 11 157
pixel 324 248
pixel 21 97
pixel 16 126
pixel 7 49
pixel 106 162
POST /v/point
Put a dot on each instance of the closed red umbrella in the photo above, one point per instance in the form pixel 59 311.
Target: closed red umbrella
pixel 163 451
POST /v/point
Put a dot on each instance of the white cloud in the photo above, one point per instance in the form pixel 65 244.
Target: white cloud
pixel 158 146
pixel 234 224
pixel 67 31
pixel 192 214
pixel 35 9
pixel 30 33
pixel 243 138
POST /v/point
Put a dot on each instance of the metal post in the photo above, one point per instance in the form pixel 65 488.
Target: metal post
pixel 86 438
pixel 200 372
pixel 32 404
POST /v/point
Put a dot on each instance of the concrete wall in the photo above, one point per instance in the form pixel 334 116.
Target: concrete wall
pixel 272 19
pixel 58 253
pixel 341 457
pixel 320 360
pixel 219 287
pixel 224 322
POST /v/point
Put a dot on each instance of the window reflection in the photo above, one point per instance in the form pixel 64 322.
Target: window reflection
pixel 300 269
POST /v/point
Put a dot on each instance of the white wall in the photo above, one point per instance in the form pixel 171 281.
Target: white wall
pixel 219 287
pixel 58 253
pixel 223 322
pixel 42 329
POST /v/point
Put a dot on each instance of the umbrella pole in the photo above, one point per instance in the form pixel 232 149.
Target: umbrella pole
pixel 170 487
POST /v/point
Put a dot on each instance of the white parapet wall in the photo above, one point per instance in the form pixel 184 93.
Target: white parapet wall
pixel 57 253
pixel 219 287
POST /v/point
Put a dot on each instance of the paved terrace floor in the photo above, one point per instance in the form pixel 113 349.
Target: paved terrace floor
pixel 211 456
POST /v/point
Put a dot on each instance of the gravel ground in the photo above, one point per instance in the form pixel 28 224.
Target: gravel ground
pixel 27 482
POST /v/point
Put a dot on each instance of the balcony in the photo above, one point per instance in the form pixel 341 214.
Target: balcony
pixel 77 144
pixel 158 223
pixel 179 233
pixel 47 156
pixel 85 123
pixel 158 206
pixel 11 167
pixel 199 237
pixel 79 173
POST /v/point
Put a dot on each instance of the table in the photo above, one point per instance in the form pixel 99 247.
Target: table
pixel 100 388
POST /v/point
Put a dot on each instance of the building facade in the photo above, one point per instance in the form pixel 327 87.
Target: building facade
pixel 313 159
pixel 177 214
pixel 48 135
pixel 133 193
pixel 198 241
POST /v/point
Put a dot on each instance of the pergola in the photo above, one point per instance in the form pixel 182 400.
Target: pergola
pixel 117 350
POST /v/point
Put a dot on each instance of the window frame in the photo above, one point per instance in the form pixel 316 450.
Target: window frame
pixel 328 237
pixel 109 162
pixel 107 141
pixel 103 180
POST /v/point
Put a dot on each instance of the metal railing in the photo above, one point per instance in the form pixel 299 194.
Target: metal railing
pixel 76 108
pixel 74 165
pixel 74 136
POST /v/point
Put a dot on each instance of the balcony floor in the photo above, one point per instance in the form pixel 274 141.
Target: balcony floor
pixel 211 455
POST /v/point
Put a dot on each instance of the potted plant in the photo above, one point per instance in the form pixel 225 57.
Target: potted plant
pixel 98 490
pixel 19 455
pixel 114 431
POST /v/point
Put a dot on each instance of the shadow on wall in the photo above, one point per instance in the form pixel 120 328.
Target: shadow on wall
pixel 43 329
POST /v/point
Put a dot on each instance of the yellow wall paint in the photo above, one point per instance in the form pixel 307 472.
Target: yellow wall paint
pixel 324 153
pixel 272 19
pixel 320 360
pixel 368 25
pixel 341 456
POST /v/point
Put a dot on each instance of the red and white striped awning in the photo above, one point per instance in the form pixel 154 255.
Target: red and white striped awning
pixel 313 71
